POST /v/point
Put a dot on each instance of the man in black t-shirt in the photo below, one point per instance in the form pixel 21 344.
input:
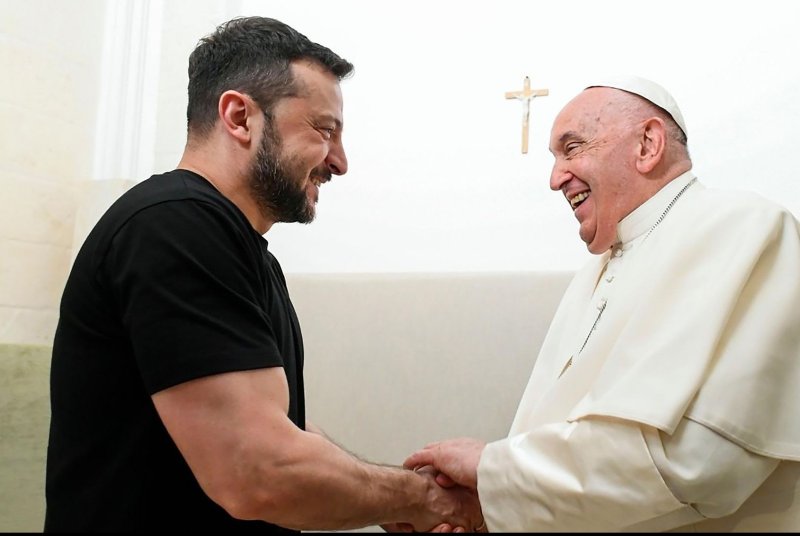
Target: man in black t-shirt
pixel 177 373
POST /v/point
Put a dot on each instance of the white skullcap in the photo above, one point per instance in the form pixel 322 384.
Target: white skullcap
pixel 648 90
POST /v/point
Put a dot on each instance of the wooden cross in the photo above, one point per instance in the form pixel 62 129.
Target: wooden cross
pixel 526 96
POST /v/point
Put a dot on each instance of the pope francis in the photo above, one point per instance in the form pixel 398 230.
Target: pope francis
pixel 666 394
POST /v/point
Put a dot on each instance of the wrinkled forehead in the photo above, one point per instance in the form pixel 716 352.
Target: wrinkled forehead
pixel 586 114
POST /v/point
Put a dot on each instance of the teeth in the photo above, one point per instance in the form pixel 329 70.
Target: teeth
pixel 578 198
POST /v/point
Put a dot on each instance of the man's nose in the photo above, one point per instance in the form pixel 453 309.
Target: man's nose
pixel 337 160
pixel 558 177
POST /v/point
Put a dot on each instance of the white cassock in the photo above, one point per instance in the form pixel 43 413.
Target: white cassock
pixel 683 407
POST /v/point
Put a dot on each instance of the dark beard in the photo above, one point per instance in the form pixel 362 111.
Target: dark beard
pixel 276 183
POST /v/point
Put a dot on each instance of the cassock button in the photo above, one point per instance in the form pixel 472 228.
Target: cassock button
pixel 618 252
pixel 609 278
pixel 601 303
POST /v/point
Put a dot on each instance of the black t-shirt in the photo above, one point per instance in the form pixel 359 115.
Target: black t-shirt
pixel 172 284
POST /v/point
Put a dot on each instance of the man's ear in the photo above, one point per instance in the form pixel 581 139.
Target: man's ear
pixel 235 114
pixel 652 145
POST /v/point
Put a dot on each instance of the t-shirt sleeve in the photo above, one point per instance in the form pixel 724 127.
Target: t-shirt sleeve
pixel 189 282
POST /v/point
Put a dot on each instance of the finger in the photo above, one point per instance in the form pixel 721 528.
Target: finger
pixel 426 469
pixel 418 459
pixel 444 527
pixel 445 481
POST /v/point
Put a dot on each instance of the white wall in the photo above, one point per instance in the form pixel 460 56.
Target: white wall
pixel 437 181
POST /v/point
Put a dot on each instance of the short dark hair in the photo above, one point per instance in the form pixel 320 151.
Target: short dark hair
pixel 252 55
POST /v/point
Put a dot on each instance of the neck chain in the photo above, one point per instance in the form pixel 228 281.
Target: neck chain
pixel 669 207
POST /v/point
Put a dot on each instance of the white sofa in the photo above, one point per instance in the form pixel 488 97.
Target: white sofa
pixel 393 361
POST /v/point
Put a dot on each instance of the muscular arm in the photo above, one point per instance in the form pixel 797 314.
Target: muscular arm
pixel 247 455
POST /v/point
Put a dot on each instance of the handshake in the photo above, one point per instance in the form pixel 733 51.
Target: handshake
pixel 451 503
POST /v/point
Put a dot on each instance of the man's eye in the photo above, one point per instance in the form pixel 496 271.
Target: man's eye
pixel 327 132
pixel 570 147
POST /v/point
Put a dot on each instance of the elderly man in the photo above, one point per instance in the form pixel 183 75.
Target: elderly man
pixel 666 391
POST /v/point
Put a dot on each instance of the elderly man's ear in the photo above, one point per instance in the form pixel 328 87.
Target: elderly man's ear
pixel 652 145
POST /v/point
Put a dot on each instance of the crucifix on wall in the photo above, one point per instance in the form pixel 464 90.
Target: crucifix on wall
pixel 526 96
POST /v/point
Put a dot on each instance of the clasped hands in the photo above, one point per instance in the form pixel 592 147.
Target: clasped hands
pixel 453 464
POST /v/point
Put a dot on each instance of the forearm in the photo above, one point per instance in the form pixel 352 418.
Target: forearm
pixel 614 475
pixel 309 483
pixel 586 476
pixel 705 469
pixel 324 487
pixel 252 460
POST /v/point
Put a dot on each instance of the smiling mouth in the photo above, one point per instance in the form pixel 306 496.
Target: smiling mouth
pixel 319 179
pixel 576 200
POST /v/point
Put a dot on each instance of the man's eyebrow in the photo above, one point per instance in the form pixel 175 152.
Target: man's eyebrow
pixel 570 134
pixel 336 121
pixel 567 135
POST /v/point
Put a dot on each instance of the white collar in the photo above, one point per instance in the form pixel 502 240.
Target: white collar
pixel 646 215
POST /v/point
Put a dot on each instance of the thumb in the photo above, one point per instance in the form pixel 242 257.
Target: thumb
pixel 445 481
pixel 418 459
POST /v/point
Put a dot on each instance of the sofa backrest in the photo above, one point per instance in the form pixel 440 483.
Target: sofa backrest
pixel 24 425
pixel 393 361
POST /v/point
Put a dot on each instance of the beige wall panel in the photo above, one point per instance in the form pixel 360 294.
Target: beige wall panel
pixel 32 275
pixel 42 211
pixel 72 30
pixel 28 326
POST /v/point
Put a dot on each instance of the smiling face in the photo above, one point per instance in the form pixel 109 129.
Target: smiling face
pixel 594 142
pixel 301 147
